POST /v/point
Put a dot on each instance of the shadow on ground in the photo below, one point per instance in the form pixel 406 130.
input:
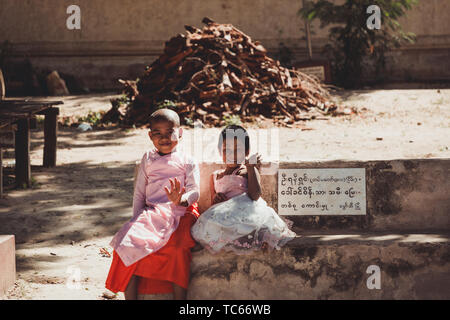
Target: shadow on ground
pixel 72 202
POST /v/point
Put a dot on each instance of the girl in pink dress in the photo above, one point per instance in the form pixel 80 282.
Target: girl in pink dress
pixel 152 250
pixel 239 219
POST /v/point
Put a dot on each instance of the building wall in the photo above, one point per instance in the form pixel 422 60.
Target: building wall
pixel 118 38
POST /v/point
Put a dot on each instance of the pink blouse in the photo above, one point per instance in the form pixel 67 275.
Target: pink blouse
pixel 155 218
pixel 231 185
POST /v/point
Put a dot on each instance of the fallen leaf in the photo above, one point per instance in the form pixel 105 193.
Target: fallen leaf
pixel 104 252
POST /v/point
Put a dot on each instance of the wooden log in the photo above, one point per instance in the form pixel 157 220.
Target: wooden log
pixel 22 153
pixel 177 58
pixel 50 137
pixel 2 86
pixel 206 63
pixel 208 94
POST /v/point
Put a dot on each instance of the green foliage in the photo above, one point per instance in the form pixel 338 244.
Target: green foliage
pixel 189 121
pixel 122 103
pixel 34 184
pixel 169 104
pixel 232 120
pixel 123 99
pixel 353 48
pixel 40 119
pixel 93 118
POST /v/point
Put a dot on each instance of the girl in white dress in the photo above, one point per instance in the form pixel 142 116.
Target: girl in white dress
pixel 239 219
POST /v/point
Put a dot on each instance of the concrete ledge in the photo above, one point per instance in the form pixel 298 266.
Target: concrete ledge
pixel 413 266
pixel 405 194
pixel 7 263
pixel 409 194
pixel 331 257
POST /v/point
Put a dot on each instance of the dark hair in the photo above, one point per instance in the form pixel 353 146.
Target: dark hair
pixel 164 115
pixel 238 132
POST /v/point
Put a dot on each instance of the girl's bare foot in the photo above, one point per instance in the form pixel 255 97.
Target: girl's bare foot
pixel 179 293
pixel 197 247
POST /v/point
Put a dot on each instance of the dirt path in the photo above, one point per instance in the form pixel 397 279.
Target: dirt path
pixel 74 209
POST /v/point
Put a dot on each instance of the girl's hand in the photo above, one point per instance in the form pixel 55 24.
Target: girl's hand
pixel 175 192
pixel 219 197
pixel 254 161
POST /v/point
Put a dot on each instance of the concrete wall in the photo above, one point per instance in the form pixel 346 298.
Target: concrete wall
pixel 117 38
pixel 7 263
pixel 406 233
pixel 401 195
pixel 320 268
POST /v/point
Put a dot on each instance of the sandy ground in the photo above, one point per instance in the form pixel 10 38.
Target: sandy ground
pixel 73 210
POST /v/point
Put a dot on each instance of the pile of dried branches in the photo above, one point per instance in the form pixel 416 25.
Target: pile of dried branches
pixel 218 71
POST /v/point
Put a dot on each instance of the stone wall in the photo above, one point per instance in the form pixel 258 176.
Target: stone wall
pixel 118 39
pixel 325 268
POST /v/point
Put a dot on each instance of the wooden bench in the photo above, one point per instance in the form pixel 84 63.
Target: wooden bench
pixel 19 115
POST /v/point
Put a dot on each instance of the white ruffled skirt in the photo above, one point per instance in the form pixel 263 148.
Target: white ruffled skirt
pixel 241 225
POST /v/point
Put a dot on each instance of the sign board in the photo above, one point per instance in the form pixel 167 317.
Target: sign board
pixel 317 68
pixel 337 191
pixel 317 71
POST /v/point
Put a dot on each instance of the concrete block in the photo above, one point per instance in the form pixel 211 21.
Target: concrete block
pixel 405 194
pixel 351 266
pixel 7 263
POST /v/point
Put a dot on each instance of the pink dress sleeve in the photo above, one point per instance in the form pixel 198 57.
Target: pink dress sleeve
pixel 192 182
pixel 139 189
pixel 215 173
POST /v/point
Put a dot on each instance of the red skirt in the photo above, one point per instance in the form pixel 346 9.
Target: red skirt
pixel 160 269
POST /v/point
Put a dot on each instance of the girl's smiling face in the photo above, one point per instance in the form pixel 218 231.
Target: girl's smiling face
pixel 165 136
pixel 233 152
